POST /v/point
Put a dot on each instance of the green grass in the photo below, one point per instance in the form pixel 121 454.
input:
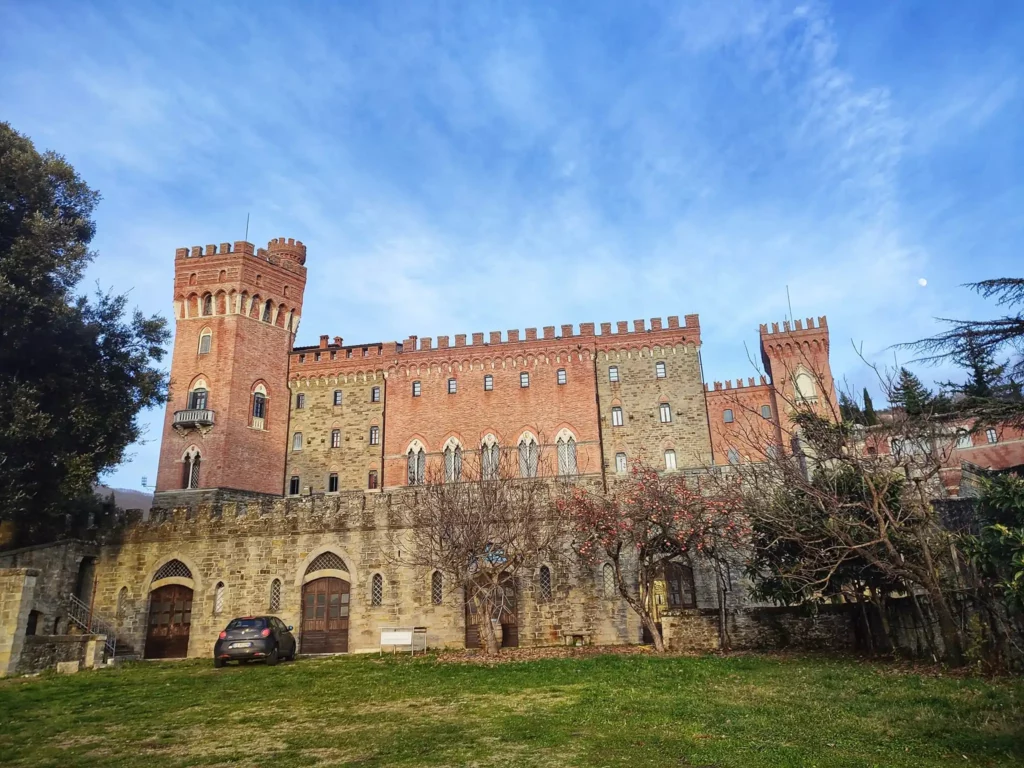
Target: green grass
pixel 637 710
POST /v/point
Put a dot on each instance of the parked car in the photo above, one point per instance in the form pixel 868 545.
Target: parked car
pixel 254 638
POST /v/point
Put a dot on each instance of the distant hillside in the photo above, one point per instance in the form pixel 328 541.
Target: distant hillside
pixel 126 498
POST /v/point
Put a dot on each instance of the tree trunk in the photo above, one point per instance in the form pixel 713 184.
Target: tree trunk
pixel 869 639
pixel 723 624
pixel 923 628
pixel 488 638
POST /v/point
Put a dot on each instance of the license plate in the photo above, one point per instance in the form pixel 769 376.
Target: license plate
pixel 241 645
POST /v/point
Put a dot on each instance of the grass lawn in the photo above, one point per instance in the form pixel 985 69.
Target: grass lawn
pixel 630 710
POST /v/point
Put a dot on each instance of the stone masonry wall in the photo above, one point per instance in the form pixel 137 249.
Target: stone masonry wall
pixel 355 458
pixel 41 652
pixel 16 589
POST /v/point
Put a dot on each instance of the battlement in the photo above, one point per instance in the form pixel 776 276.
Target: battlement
pixel 278 251
pixel 797 326
pixel 718 386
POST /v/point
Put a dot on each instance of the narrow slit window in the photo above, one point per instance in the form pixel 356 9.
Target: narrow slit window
pixel 416 389
pixel 659 370
pixel 300 401
pixel 544 584
pixel 371 480
pixel 377 590
pixel 375 395
pixel 613 373
pixel 436 588
pixel 561 376
pixel 524 380
pixel 453 386
pixel 488 383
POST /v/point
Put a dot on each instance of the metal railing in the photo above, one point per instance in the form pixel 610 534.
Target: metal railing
pixel 84 617
pixel 193 416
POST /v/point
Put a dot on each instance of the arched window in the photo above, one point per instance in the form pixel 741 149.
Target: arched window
pixel 620 463
pixel 327 561
pixel 665 413
pixel 122 602
pixel 566 455
pixel 275 595
pixel 608 580
pixel 208 304
pixel 805 389
pixel 452 462
pixel 659 370
pixel 297 441
pixel 205 341
pixel 436 588
pixel 218 599
pixel 190 468
pixel 198 397
pixel 259 407
pixel 173 569
pixel 670 459
pixel 377 589
pixel 528 454
pixel 268 310
pixel 544 584
pixel 417 465
pixel 490 458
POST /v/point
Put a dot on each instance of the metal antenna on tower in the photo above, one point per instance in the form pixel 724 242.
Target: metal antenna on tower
pixel 790 303
pixel 246 238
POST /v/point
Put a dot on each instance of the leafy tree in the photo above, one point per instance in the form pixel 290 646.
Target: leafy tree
pixel 652 520
pixel 74 373
pixel 910 394
pixel 870 417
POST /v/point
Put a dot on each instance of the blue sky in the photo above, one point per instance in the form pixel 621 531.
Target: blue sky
pixel 461 167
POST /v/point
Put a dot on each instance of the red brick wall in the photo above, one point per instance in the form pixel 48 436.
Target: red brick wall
pixel 749 432
pixel 244 351
pixel 544 408
pixel 787 352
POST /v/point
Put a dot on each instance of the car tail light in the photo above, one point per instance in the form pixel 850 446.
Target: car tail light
pixel 223 635
pixel 265 632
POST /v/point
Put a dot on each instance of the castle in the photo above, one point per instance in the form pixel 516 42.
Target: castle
pixel 279 464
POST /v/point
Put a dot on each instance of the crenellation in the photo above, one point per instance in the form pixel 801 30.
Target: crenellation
pixel 622 326
pixel 566 331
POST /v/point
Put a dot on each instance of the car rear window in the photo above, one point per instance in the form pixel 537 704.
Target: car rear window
pixel 247 624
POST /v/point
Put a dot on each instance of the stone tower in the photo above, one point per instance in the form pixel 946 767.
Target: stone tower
pixel 796 358
pixel 236 313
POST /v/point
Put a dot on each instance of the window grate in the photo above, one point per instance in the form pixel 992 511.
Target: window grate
pixel 608 574
pixel 544 580
pixel 275 595
pixel 328 561
pixel 218 598
pixel 173 569
pixel 377 590
pixel 436 588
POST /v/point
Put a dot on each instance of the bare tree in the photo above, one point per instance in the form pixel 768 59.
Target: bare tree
pixel 482 518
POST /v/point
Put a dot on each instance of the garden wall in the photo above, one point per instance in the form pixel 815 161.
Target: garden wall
pixel 41 652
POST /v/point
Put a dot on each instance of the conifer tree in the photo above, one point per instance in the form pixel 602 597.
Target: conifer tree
pixel 849 409
pixel 910 394
pixel 870 417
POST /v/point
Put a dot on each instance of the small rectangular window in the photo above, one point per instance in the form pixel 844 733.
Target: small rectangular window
pixel 613 373
pixel 659 370
pixel 665 412
pixel 616 416
pixel 300 401
pixel 204 344
pixel 374 435
pixel 415 389
pixel 337 397
pixel 293 485
pixel 375 395
pixel 726 416
pixel 561 376
pixel 453 386
pixel 335 438
pixel 488 383
pixel 371 480
pixel 297 441
pixel 332 482
pixel 991 435
pixel 766 411
pixel 670 459
pixel 963 439
pixel 524 380
pixel 620 463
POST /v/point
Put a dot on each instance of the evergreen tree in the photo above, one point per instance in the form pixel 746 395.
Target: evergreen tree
pixel 870 417
pixel 74 373
pixel 910 394
pixel 849 409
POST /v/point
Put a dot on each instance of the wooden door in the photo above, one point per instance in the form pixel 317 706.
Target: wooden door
pixel 506 616
pixel 325 608
pixel 170 617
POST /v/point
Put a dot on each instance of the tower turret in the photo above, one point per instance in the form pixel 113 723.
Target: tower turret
pixel 236 314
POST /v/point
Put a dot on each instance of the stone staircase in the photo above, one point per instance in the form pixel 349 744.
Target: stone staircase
pixel 93 622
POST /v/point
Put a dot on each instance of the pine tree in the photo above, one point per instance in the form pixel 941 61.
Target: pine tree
pixel 910 394
pixel 984 375
pixel 870 417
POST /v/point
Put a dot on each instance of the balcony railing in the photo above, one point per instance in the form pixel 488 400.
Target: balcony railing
pixel 193 417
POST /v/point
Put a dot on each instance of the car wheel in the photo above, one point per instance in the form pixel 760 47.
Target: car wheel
pixel 272 658
pixel 218 663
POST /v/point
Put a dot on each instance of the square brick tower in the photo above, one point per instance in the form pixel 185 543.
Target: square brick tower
pixel 236 314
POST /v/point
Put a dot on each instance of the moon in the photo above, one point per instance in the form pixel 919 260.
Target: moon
pixel 922 282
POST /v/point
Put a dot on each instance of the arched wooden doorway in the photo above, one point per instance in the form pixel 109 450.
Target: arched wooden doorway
pixel 505 614
pixel 170 613
pixel 325 606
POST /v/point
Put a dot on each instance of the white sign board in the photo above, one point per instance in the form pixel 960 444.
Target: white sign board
pixel 396 637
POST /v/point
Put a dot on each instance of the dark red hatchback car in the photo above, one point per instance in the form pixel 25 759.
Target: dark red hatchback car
pixel 254 638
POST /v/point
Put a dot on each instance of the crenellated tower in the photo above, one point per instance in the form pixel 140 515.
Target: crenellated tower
pixel 236 312
pixel 796 357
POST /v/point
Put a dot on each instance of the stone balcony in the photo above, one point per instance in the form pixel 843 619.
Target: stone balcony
pixel 193 417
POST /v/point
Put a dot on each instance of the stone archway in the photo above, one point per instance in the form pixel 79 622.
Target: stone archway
pixel 326 593
pixel 170 612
